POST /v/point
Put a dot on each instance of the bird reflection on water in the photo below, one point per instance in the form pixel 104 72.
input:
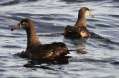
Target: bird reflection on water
pixel 38 63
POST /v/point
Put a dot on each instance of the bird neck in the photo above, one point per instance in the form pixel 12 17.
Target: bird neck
pixel 32 38
pixel 81 22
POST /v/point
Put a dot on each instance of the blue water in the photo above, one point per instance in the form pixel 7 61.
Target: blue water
pixel 51 16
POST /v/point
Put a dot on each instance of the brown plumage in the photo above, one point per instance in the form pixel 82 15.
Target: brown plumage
pixel 36 50
pixel 79 30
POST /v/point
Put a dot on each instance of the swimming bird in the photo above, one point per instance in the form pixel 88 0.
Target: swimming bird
pixel 79 30
pixel 36 50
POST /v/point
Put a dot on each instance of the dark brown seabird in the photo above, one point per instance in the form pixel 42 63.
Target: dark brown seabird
pixel 79 30
pixel 36 50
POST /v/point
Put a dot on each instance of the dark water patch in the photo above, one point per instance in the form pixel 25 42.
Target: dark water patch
pixel 34 67
pixel 4 27
pixel 102 39
pixel 32 0
pixel 39 63
pixel 115 63
pixel 17 34
pixel 74 1
pixel 91 61
pixel 10 77
pixel 115 0
pixel 11 36
pixel 113 31
pixel 11 46
pixel 92 44
pixel 1 70
pixel 116 16
pixel 113 6
pixel 10 2
pixel 4 56
pixel 13 2
pixel 55 34
pixel 103 25
pixel 8 36
pixel 91 27
pixel 15 66
pixel 50 15
pixel 93 20
pixel 105 77
pixel 96 60
pixel 111 47
pixel 27 15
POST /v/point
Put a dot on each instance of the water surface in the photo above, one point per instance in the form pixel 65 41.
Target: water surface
pixel 51 16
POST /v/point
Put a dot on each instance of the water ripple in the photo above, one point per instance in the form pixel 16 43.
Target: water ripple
pixel 50 18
